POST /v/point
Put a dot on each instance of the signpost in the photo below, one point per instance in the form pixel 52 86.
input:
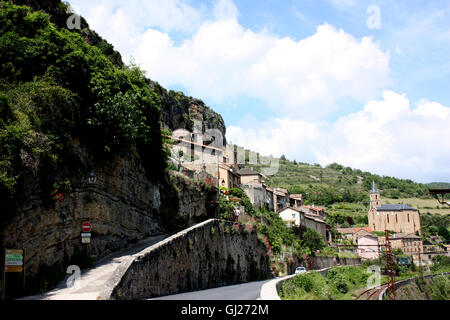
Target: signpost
pixel 86 226
pixel 86 234
pixel 13 262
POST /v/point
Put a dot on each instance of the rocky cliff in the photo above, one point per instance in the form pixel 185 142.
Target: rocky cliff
pixel 177 109
pixel 123 206
pixel 46 163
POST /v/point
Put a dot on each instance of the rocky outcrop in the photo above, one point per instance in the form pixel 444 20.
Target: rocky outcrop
pixel 211 254
pixel 180 111
pixel 122 207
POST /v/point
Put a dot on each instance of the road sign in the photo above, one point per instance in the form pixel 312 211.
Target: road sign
pixel 86 235
pixel 85 240
pixel 86 226
pixel 13 269
pixel 13 260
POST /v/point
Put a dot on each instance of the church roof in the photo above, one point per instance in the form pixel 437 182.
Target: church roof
pixel 395 207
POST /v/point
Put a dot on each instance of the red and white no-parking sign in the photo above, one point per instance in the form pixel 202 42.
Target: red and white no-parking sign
pixel 86 226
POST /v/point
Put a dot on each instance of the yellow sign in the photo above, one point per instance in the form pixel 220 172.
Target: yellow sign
pixel 13 268
pixel 9 251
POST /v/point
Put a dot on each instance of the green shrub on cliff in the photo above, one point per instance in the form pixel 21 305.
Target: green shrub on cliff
pixel 55 87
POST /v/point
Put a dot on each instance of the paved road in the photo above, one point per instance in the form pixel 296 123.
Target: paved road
pixel 246 291
pixel 93 280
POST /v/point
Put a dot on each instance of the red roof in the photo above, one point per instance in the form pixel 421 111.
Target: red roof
pixel 314 208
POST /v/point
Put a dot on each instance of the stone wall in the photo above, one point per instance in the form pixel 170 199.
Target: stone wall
pixel 317 263
pixel 211 254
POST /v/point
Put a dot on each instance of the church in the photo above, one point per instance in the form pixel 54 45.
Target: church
pixel 399 218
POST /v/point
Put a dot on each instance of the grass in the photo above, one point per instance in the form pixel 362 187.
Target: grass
pixel 341 283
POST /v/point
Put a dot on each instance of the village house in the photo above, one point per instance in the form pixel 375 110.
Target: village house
pixel 293 216
pixel 399 218
pixel 312 209
pixel 227 177
pixel 269 200
pixel 256 192
pixel 368 246
pixel 296 200
pixel 409 243
pixel 248 175
pixel 315 222
pixel 352 233
pixel 280 199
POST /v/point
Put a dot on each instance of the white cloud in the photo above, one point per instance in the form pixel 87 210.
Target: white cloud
pixel 166 15
pixel 387 137
pixel 391 138
pixel 278 136
pixel 222 60
pixel 225 9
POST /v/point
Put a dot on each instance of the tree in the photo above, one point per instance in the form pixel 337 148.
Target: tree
pixel 336 219
pixel 312 240
pixel 444 233
pixel 283 158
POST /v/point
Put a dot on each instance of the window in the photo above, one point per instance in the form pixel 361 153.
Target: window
pixel 388 218
pixel 408 217
pixel 396 218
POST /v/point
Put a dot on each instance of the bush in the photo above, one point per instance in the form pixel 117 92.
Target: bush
pixel 439 289
pixel 55 87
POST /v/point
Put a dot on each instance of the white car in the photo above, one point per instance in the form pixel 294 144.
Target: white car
pixel 300 270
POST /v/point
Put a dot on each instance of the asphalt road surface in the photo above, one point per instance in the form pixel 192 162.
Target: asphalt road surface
pixel 246 291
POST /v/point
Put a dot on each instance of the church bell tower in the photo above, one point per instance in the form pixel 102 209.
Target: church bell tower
pixel 375 199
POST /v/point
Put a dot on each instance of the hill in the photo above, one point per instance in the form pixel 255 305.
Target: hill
pixel 336 183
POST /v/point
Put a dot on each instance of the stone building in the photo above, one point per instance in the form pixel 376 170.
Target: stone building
pixel 409 243
pixel 296 200
pixel 248 175
pixel 256 193
pixel 228 178
pixel 280 199
pixel 399 218
pixel 315 222
pixel 298 217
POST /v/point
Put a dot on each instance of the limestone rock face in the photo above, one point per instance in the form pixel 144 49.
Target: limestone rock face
pixel 122 207
pixel 179 112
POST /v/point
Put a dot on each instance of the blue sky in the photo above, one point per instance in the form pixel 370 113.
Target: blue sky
pixel 317 80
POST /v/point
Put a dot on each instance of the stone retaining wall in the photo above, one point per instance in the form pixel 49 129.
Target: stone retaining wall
pixel 211 254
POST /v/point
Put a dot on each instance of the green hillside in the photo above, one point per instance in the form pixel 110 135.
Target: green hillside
pixel 336 183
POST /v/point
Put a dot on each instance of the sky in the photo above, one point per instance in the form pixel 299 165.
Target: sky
pixel 362 83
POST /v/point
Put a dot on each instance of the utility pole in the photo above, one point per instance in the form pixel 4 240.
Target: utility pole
pixel 390 292
pixel 420 265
